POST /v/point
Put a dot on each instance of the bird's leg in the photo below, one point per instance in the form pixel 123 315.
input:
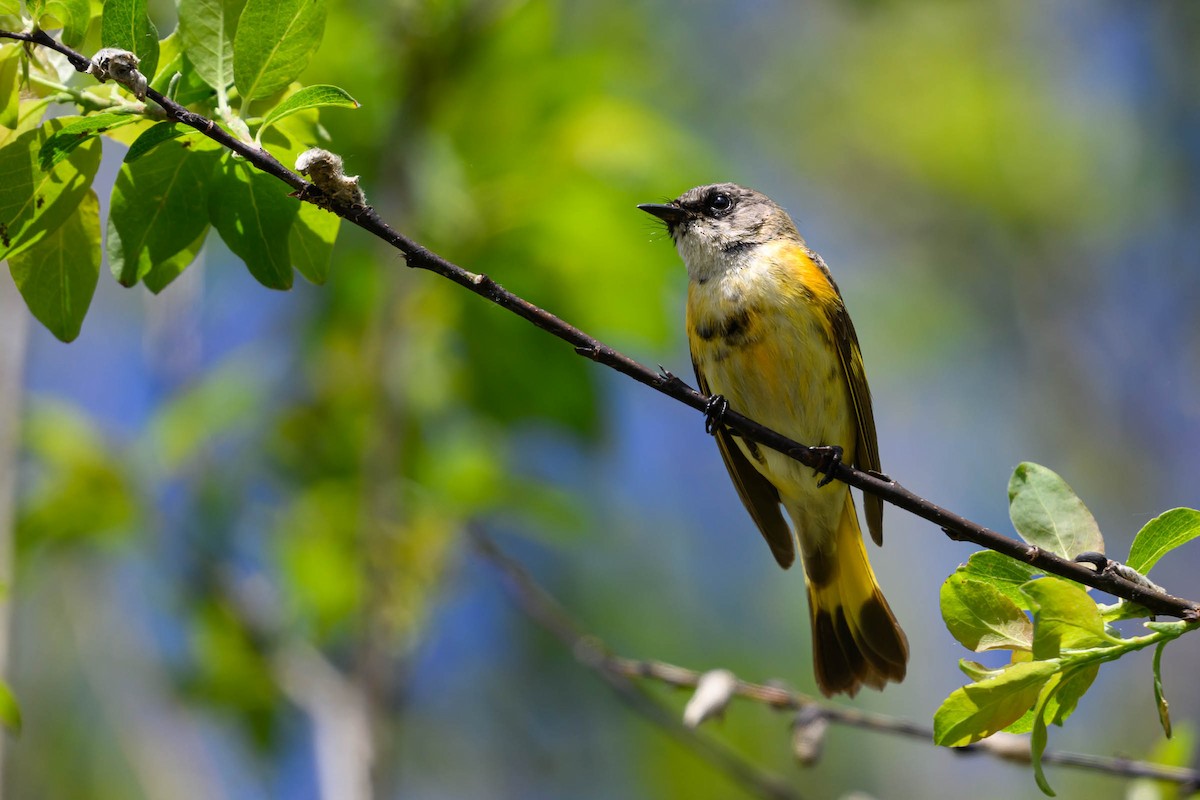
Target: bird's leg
pixel 714 412
pixel 831 456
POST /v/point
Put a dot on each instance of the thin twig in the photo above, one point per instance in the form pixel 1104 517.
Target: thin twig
pixel 590 651
pixel 953 525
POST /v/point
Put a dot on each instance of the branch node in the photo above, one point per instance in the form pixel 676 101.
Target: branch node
pixel 1033 553
pixel 808 734
pixel 326 171
pixel 122 67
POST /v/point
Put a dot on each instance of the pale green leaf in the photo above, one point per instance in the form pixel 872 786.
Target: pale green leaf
pixel 982 618
pixel 58 275
pixel 1047 513
pixel 1006 575
pixel 978 710
pixel 125 24
pixel 1037 738
pixel 59 145
pixel 1074 685
pixel 1160 699
pixel 1162 534
pixel 308 97
pixel 1064 618
pixel 10 7
pixel 274 41
pixel 33 203
pixel 254 215
pixel 72 15
pixel 10 97
pixel 159 207
pixel 207 28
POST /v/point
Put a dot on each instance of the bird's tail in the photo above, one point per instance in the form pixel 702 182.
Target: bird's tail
pixel 856 639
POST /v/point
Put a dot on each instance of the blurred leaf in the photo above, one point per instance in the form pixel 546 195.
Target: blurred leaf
pixel 1005 575
pixel 1178 751
pixel 1162 534
pixel 12 7
pixel 78 492
pixel 33 203
pixel 309 97
pixel 254 215
pixel 1047 513
pixel 10 711
pixel 274 41
pixel 57 276
pixel 190 88
pixel 311 241
pixel 126 24
pixel 190 423
pixel 1064 618
pixel 72 15
pixel 59 145
pixel 207 29
pixel 159 205
pixel 978 710
pixel 1160 699
pixel 982 618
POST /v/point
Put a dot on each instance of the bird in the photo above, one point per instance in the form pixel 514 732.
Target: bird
pixel 770 338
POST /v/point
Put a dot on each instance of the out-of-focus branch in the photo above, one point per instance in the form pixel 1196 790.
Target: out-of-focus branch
pixel 955 526
pixel 14 330
pixel 543 609
pixel 536 603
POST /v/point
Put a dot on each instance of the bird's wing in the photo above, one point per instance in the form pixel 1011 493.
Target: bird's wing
pixel 758 494
pixel 867 450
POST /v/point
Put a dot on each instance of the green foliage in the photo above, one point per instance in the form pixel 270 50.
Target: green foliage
pixel 161 206
pixel 1056 654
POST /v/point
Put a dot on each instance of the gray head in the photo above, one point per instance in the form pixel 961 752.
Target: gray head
pixel 716 227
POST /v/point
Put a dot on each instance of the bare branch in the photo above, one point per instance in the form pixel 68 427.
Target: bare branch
pixel 590 651
pixel 955 526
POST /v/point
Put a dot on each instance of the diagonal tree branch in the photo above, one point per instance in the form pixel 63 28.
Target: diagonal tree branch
pixel 953 525
pixel 544 610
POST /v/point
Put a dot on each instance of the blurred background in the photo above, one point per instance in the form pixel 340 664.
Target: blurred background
pixel 241 560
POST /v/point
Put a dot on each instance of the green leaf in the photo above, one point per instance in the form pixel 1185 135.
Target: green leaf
pixel 164 272
pixel 311 241
pixel 11 7
pixel 190 88
pixel 207 28
pixel 156 135
pixel 1161 534
pixel 1037 739
pixel 1064 618
pixel 254 215
pixel 978 710
pixel 125 24
pixel 10 711
pixel 1047 513
pixel 33 202
pixel 1160 699
pixel 1074 685
pixel 10 96
pixel 1006 575
pixel 982 618
pixel 308 97
pixel 159 206
pixel 73 15
pixel 58 275
pixel 275 40
pixel 58 146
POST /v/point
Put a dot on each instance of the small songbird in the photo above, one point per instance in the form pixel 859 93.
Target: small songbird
pixel 769 333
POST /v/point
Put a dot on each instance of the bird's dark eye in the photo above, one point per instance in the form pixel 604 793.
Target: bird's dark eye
pixel 720 203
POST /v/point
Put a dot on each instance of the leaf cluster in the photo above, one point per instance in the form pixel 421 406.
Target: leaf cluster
pixel 233 60
pixel 1057 634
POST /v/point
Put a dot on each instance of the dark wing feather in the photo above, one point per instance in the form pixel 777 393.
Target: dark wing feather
pixel 867 450
pixel 759 495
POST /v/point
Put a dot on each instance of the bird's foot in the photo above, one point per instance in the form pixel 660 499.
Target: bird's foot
pixel 831 456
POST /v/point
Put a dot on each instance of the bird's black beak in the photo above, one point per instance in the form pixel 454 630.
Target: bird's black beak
pixel 668 212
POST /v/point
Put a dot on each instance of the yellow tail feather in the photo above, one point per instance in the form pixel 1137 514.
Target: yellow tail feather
pixel 856 639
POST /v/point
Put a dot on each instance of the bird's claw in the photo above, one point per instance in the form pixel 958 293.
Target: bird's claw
pixel 831 456
pixel 714 412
